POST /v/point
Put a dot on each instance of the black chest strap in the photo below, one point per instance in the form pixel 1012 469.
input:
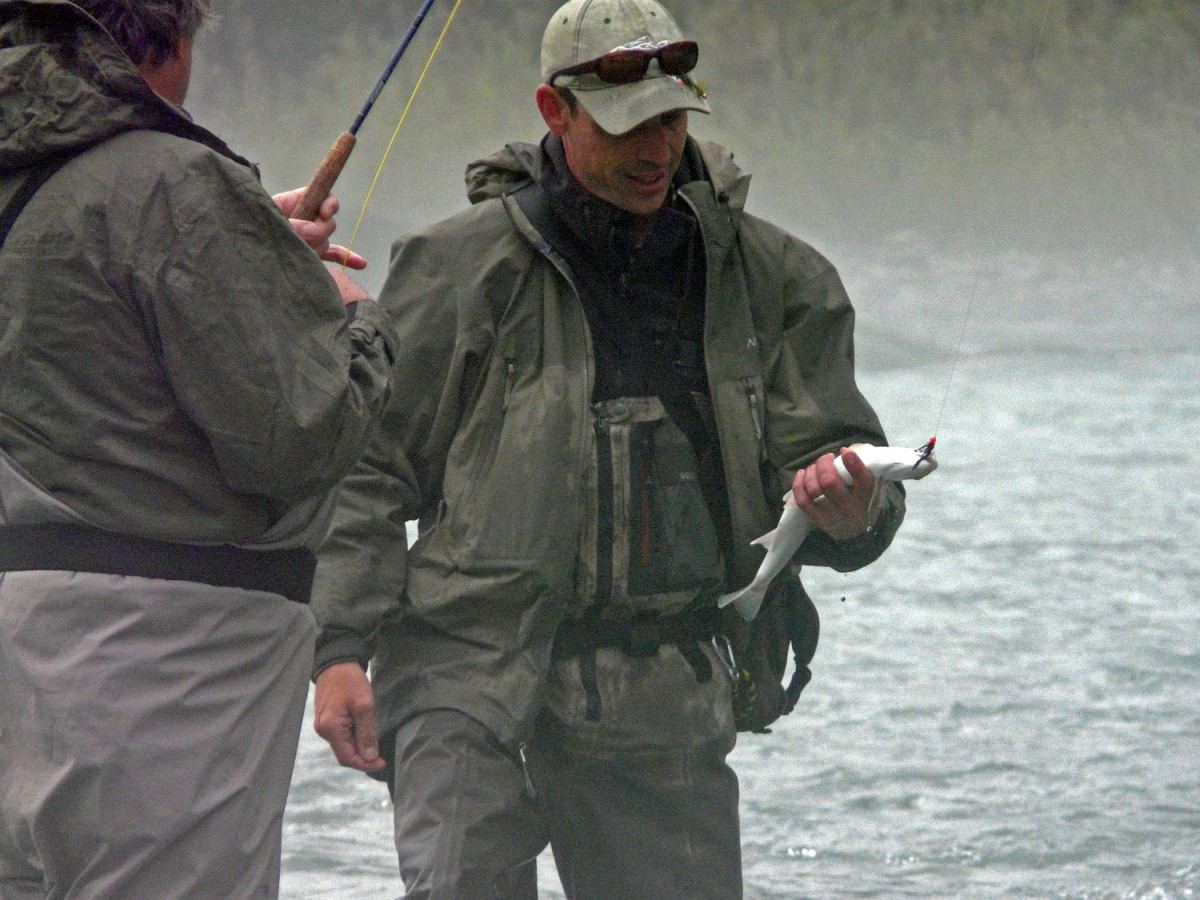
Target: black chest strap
pixel 36 176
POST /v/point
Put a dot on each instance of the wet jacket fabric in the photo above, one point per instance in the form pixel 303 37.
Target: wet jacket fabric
pixel 488 440
pixel 175 363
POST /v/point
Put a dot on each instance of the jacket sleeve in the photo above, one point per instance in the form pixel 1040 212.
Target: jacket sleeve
pixel 362 567
pixel 813 402
pixel 234 297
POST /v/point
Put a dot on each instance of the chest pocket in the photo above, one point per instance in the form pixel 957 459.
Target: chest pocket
pixel 649 542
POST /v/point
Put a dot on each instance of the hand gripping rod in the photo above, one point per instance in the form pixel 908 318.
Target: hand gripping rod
pixel 322 182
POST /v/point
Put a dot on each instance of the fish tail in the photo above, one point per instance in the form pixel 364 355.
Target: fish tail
pixel 748 605
pixel 747 601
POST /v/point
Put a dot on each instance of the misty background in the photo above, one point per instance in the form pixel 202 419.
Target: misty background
pixel 1033 161
pixel 1005 705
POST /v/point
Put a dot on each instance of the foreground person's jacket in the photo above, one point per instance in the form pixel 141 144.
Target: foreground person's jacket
pixel 175 363
pixel 488 438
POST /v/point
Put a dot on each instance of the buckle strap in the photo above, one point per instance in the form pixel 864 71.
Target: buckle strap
pixel 641 635
pixel 61 546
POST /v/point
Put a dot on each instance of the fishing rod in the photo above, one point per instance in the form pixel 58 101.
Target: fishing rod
pixel 329 170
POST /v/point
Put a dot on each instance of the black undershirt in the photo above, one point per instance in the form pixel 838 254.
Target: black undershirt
pixel 641 279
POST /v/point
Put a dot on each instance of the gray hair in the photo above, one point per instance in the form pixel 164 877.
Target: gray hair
pixel 149 30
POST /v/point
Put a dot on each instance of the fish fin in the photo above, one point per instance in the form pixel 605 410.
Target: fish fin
pixel 767 540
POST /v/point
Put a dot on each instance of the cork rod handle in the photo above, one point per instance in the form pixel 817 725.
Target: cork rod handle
pixel 322 182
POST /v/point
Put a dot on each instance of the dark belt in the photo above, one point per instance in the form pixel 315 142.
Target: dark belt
pixel 641 635
pixel 79 548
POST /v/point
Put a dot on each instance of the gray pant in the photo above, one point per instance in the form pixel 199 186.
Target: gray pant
pixel 639 805
pixel 465 825
pixel 148 731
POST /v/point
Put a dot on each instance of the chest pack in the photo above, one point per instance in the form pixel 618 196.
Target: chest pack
pixel 757 652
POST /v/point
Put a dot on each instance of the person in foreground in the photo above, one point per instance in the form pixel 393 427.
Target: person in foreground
pixel 611 375
pixel 182 384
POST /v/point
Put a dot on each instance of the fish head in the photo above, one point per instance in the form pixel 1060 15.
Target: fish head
pixel 922 466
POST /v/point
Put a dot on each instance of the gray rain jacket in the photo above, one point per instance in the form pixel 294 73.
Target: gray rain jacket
pixel 175 362
pixel 489 435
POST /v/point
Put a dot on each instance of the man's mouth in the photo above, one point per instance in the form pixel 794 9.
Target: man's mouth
pixel 649 180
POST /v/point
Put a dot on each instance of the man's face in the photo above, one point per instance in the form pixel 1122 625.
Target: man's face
pixel 632 171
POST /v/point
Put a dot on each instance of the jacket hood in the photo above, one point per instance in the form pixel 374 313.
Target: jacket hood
pixel 66 84
pixel 517 163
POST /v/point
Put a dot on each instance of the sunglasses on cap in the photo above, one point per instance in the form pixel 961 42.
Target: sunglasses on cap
pixel 625 66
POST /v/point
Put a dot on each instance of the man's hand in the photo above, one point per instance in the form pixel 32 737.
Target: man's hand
pixel 345 716
pixel 843 511
pixel 317 234
pixel 350 289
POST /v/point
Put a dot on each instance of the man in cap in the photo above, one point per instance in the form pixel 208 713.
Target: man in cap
pixel 181 388
pixel 611 375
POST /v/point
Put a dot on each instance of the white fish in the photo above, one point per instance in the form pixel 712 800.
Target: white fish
pixel 885 463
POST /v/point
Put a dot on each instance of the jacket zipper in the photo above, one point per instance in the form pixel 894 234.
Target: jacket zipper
pixel 587 661
pixel 604 508
pixel 530 792
pixel 510 377
pixel 604 555
pixel 756 416
pixel 648 488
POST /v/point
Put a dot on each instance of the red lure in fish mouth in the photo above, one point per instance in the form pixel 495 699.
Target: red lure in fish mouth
pixel 925 451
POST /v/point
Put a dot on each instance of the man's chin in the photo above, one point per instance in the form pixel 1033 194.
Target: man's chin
pixel 644 204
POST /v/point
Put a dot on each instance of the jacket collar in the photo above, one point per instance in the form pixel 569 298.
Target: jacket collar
pixel 711 166
pixel 98 92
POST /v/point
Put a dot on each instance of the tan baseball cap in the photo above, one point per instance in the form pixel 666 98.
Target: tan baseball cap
pixel 583 30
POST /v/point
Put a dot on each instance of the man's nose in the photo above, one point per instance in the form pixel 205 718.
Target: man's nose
pixel 654 142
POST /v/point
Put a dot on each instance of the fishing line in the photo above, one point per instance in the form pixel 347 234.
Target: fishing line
pixel 1042 31
pixel 1050 6
pixel 403 116
pixel 957 353
pixel 309 205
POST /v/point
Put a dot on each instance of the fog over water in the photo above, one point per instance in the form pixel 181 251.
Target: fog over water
pixel 1048 149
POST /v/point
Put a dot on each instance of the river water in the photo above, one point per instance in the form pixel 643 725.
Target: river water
pixel 1007 704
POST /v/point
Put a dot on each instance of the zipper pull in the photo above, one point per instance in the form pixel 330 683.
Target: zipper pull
pixel 525 771
pixel 756 416
pixel 510 376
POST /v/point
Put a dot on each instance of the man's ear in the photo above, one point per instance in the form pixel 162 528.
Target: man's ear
pixel 554 109
pixel 170 78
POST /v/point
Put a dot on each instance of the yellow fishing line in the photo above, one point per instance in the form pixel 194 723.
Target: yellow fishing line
pixel 404 115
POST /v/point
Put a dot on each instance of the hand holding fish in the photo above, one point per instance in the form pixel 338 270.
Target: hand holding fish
pixel 842 509
pixel 804 507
